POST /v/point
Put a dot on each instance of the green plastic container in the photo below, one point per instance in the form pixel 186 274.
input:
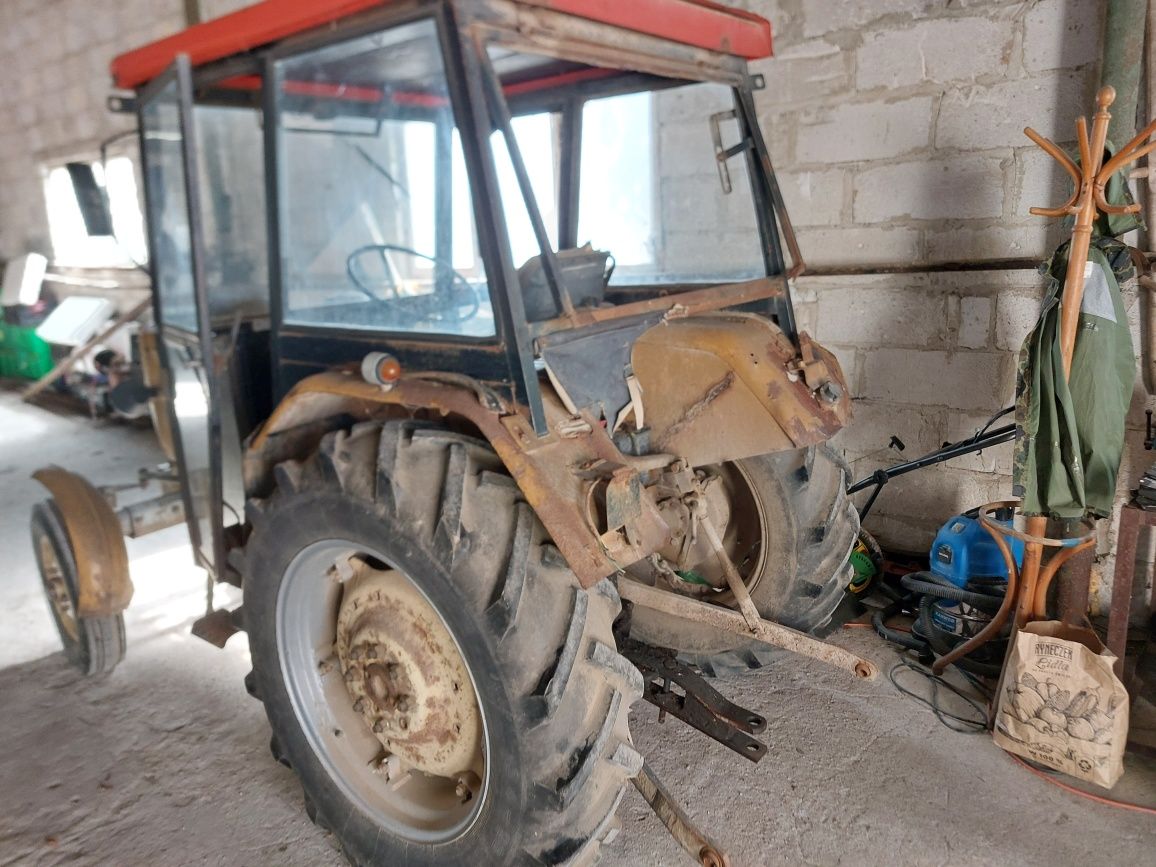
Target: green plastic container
pixel 22 353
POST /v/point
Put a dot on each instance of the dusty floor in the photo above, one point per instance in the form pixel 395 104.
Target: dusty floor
pixel 167 763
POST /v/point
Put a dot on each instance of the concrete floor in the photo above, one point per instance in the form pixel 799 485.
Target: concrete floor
pixel 167 763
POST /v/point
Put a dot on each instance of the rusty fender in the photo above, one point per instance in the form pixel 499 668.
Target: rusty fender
pixel 104 588
pixel 723 386
pixel 554 472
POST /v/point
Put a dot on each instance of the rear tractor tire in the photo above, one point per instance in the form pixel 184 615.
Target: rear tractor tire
pixel 432 672
pixel 93 645
pixel 789 529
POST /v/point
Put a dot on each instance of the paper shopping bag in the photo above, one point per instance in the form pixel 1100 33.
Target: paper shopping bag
pixel 1062 705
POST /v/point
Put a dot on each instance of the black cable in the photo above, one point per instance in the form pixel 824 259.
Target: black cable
pixel 953 721
pixel 1005 411
pixel 879 621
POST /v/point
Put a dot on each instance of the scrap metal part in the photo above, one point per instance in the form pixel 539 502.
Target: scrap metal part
pixel 726 619
pixel 704 850
pixel 700 706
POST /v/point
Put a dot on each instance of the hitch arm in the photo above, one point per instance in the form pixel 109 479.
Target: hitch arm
pixel 726 619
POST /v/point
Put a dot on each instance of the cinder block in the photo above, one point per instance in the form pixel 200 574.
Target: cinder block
pixel 1016 315
pixel 937 493
pixel 804 72
pixel 1062 33
pixel 864 131
pixel 1041 182
pixel 874 423
pixel 860 245
pixel 962 426
pixel 977 117
pixel 956 189
pixel 882 317
pixel 828 16
pixel 960 380
pixel 944 50
pixel 974 322
pixel 814 198
pixel 1034 240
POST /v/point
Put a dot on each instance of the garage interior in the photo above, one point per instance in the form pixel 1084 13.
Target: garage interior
pixel 896 133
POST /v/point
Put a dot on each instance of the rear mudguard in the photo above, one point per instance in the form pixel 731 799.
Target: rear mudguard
pixel 721 387
pixel 104 588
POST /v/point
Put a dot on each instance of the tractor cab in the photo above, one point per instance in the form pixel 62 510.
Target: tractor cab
pixel 507 191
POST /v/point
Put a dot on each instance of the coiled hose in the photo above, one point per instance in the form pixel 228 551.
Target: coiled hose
pixel 930 584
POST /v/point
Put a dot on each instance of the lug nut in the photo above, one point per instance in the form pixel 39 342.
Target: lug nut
pixel 378 728
pixel 359 705
pixel 371 653
pixel 403 723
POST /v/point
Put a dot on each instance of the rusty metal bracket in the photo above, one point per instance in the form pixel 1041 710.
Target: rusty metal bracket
pixel 697 844
pixel 700 705
pixel 728 620
pixel 219 625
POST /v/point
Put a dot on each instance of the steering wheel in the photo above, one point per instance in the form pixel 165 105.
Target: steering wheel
pixel 436 309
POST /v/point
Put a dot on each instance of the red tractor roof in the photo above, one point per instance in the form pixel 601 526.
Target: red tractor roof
pixel 699 23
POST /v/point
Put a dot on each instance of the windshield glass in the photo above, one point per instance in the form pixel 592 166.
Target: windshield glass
pixel 650 191
pixel 375 211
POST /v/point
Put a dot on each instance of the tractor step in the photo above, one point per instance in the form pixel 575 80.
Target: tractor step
pixel 219 626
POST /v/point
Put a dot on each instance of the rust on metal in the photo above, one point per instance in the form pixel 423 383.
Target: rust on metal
pixel 677 306
pixel 726 619
pixel 694 841
pixel 1132 517
pixel 404 673
pixel 699 406
pixel 543 467
pixel 104 587
pixel 768 408
pixel 698 704
pixel 153 373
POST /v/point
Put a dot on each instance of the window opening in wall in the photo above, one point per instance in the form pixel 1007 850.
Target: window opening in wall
pixel 72 243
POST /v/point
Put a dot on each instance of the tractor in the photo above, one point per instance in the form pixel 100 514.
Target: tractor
pixel 475 358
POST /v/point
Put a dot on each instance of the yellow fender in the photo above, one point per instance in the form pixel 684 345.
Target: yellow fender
pixel 104 587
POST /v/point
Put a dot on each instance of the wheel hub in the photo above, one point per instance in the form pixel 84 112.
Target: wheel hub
pixel 404 674
pixel 57 589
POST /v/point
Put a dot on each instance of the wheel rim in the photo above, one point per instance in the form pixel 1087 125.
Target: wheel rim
pixel 377 710
pixel 56 586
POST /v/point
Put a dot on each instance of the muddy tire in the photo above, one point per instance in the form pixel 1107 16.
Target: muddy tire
pixel 797 570
pixel 552 690
pixel 93 645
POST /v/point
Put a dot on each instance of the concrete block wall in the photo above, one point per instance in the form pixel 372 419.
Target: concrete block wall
pixel 896 127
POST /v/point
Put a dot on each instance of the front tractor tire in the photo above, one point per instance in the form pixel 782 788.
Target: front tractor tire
pixel 93 645
pixel 444 690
